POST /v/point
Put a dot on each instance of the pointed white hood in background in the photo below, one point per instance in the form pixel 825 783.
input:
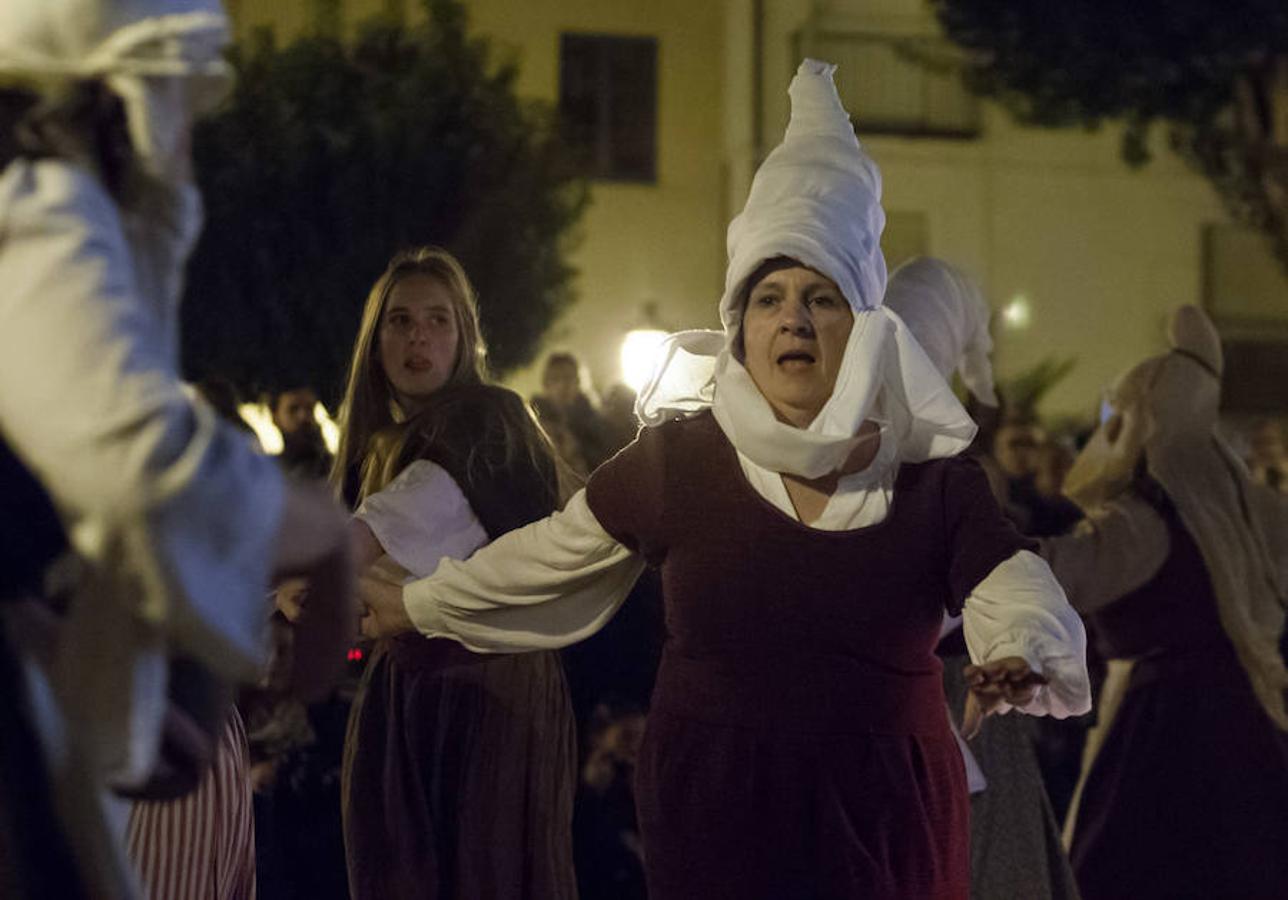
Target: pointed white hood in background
pixel 949 318
pixel 815 199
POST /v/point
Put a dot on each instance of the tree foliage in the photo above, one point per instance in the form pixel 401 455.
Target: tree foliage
pixel 331 156
pixel 1215 75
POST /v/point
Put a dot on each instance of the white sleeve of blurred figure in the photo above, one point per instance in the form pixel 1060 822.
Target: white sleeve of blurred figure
pixel 1113 551
pixel 421 517
pixel 174 509
pixel 1020 610
pixel 549 584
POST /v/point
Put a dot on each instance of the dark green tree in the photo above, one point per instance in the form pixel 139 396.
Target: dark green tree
pixel 1214 75
pixel 330 156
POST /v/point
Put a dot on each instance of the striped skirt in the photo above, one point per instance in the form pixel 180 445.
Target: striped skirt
pixel 201 846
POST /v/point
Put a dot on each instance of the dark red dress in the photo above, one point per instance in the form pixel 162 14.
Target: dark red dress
pixel 798 743
pixel 1188 796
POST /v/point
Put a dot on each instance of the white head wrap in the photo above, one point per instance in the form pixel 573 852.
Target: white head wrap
pixel 162 57
pixel 816 199
pixel 1166 408
pixel 949 318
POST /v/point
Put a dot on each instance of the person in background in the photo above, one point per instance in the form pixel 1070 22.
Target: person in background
pixel 176 521
pixel 1178 568
pixel 1267 459
pixel 563 405
pixel 1015 841
pixel 459 768
pixel 1050 512
pixel 617 409
pixel 304 453
pixel 222 396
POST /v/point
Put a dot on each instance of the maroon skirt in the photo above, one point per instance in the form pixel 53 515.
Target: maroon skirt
pixel 458 775
pixel 1188 796
pixel 783 782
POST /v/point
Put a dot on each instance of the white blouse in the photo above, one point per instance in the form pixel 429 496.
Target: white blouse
pixel 422 517
pixel 559 580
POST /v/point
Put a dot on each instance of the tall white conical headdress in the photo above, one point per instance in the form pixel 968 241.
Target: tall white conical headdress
pixel 815 199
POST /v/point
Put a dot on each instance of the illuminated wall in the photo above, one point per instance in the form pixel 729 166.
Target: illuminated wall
pixel 1101 252
pixel 659 244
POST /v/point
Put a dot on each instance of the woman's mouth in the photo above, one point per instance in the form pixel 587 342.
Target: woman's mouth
pixel 795 359
pixel 418 365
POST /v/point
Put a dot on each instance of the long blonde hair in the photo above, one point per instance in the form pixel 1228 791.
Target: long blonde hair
pixel 368 404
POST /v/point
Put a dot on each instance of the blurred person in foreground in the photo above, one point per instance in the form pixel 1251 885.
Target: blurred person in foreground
pixel 1015 842
pixel 155 526
pixel 1179 569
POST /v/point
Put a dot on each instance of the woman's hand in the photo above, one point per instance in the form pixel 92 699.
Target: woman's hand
pixel 1008 680
pixel 384 614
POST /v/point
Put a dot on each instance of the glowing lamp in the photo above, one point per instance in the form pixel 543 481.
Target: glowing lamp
pixel 1017 314
pixel 639 355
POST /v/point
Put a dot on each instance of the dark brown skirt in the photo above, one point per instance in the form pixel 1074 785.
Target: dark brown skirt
pixel 458 775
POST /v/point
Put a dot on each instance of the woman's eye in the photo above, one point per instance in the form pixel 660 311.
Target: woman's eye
pixel 824 300
pixel 765 300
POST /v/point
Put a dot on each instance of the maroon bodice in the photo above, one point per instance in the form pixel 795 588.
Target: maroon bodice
pixel 773 623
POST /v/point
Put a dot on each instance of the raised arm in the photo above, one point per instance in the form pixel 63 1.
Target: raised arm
pixel 1110 553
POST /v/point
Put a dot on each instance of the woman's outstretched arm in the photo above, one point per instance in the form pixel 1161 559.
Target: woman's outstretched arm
pixel 549 584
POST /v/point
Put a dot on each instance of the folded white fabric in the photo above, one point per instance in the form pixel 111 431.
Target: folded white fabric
pixel 816 199
pixel 949 318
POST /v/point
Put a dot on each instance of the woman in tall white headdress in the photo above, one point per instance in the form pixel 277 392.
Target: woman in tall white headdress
pixel 799 488
pixel 1015 848
pixel 1179 569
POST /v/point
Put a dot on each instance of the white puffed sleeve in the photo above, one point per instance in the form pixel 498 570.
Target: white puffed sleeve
pixel 549 584
pixel 421 517
pixel 1019 609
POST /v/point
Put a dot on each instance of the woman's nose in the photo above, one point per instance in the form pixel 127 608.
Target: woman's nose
pixel 796 318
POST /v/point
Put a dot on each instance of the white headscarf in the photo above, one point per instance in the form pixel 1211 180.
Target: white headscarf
pixel 949 318
pixel 816 199
pixel 1166 408
pixel 162 57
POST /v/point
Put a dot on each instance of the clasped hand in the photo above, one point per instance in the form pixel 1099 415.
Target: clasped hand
pixel 1007 681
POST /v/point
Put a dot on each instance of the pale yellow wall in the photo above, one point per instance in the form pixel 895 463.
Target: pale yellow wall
pixel 660 243
pixel 1101 251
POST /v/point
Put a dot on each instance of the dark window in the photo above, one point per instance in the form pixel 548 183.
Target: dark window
pixel 608 104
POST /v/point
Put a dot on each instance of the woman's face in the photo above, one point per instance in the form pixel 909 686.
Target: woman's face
pixel 795 330
pixel 418 339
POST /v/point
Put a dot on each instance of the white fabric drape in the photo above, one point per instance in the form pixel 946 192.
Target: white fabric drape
pixel 815 199
pixel 949 318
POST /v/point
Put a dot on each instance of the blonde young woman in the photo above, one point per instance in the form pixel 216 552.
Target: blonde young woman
pixel 459 768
